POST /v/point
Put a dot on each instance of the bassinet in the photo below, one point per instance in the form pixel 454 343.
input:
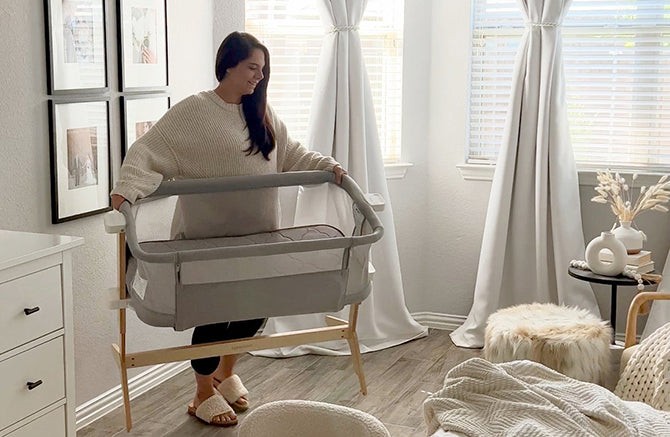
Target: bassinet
pixel 310 268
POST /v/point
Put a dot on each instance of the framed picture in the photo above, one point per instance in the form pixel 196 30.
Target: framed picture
pixel 138 114
pixel 80 166
pixel 142 45
pixel 77 58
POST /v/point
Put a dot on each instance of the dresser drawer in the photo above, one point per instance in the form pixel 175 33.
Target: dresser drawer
pixel 51 424
pixel 41 363
pixel 39 290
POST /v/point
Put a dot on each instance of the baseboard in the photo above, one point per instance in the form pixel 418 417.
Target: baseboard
pixel 96 408
pixel 447 322
pixel 450 322
pixel 620 337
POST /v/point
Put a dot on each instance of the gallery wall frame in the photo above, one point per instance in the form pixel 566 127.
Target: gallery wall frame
pixel 142 45
pixel 80 158
pixel 76 46
pixel 138 115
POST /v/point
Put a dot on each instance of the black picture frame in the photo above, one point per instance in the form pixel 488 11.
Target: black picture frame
pixel 80 158
pixel 138 114
pixel 142 45
pixel 76 46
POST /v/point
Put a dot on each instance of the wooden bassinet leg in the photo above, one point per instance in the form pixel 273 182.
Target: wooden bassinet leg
pixel 355 348
pixel 120 350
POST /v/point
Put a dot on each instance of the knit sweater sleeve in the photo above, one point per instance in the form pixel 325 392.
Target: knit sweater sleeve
pixel 293 156
pixel 149 161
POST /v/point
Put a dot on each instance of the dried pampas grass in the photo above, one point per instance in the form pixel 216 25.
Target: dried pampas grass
pixel 614 190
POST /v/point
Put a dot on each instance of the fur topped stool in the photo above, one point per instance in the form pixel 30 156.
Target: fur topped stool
pixel 571 341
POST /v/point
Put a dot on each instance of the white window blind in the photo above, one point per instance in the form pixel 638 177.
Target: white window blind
pixel 617 65
pixel 293 32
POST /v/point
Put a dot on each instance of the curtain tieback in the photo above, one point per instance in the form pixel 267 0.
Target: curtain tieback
pixel 342 29
pixel 542 24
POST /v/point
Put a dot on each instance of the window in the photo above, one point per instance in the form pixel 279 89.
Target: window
pixel 617 68
pixel 293 32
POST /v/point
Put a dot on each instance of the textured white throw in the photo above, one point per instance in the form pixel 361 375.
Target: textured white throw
pixel 646 377
pixel 524 398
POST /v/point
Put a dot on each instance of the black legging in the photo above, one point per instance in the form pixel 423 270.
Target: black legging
pixel 221 332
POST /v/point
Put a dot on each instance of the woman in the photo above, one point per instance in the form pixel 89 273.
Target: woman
pixel 228 131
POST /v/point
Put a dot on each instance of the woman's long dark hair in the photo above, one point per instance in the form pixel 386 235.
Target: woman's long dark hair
pixel 235 48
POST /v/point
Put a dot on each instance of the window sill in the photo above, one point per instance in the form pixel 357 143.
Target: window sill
pixel 587 176
pixel 397 170
pixel 476 172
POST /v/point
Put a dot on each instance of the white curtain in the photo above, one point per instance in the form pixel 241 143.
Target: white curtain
pixel 660 309
pixel 533 224
pixel 343 125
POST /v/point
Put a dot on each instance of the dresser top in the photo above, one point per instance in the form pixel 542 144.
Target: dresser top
pixel 21 247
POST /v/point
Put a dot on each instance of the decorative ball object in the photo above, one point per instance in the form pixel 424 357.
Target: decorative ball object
pixel 627 272
pixel 606 240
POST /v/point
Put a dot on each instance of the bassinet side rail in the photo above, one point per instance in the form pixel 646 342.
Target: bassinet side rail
pixel 236 183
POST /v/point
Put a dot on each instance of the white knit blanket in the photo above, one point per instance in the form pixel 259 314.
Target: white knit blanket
pixel 524 398
pixel 647 373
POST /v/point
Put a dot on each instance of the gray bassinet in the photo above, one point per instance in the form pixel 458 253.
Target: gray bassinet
pixel 307 267
pixel 310 268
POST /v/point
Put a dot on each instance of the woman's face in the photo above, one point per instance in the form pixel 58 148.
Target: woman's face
pixel 244 77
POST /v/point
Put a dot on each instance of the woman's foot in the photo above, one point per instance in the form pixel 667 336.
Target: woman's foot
pixel 235 393
pixel 210 407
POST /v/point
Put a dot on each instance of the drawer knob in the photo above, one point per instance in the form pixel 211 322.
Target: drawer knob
pixel 32 385
pixel 29 311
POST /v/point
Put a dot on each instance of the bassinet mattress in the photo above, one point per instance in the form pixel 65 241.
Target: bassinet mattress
pixel 218 284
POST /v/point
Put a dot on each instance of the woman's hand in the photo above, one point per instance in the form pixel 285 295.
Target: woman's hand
pixel 339 172
pixel 117 200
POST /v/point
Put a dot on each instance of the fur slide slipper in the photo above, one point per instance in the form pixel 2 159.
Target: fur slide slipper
pixel 235 393
pixel 211 409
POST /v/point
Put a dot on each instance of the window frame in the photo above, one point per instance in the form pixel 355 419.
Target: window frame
pixel 391 153
pixel 473 169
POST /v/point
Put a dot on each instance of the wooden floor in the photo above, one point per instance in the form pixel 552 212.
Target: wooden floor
pixel 398 381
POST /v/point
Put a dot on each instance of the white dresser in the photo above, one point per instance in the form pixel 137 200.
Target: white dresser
pixel 36 344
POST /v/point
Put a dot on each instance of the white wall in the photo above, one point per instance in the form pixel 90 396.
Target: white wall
pixel 24 168
pixel 439 237
pixel 228 17
pixel 439 216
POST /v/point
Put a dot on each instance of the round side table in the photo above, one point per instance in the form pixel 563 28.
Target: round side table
pixel 613 281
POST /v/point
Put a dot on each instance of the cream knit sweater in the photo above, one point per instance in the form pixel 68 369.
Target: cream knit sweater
pixel 202 137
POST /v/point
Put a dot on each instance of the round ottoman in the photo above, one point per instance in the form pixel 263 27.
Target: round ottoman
pixel 571 341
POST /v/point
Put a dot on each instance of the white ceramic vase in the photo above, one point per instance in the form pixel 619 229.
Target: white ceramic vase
pixel 606 240
pixel 631 238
